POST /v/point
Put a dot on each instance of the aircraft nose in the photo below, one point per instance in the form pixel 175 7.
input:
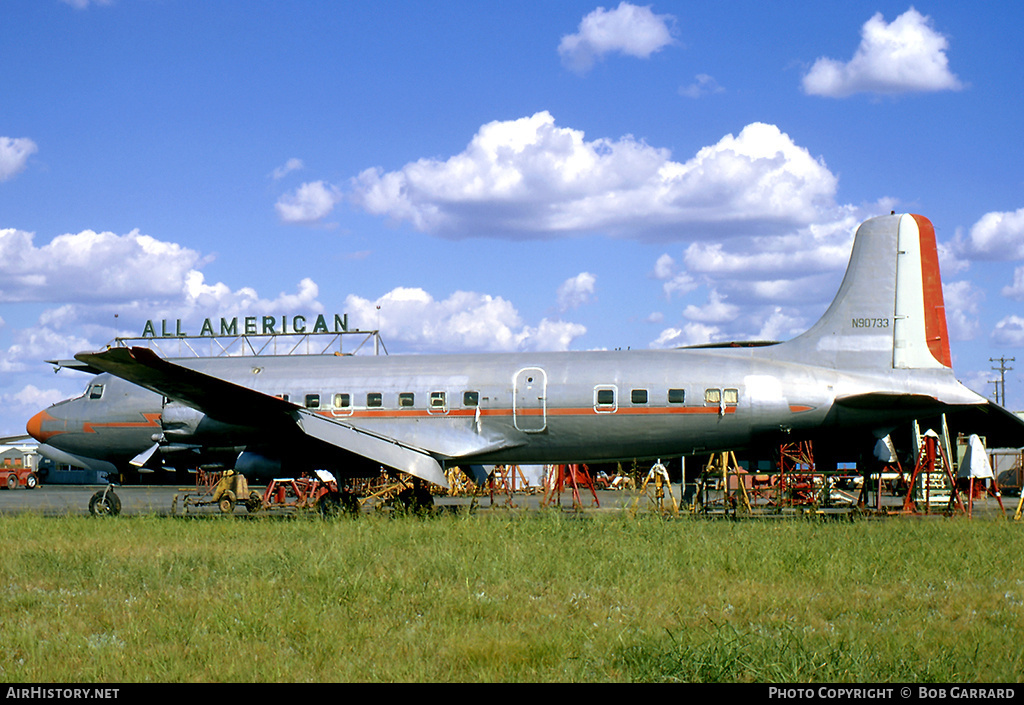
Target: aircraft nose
pixel 35 426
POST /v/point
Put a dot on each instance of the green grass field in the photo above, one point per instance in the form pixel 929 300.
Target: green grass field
pixel 510 597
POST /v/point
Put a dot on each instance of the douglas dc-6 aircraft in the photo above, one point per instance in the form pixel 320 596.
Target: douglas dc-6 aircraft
pixel 878 357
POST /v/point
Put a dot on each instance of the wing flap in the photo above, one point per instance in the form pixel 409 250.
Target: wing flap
pixel 381 449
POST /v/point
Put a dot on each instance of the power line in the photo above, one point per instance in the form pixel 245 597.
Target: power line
pixel 1000 385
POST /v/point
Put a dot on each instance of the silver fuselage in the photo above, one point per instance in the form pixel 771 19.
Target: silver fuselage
pixel 879 356
pixel 522 408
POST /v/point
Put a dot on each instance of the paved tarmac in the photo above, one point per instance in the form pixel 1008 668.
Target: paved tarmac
pixel 71 500
pixel 58 500
pixel 159 500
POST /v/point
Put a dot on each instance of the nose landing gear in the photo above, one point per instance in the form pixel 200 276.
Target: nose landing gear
pixel 105 503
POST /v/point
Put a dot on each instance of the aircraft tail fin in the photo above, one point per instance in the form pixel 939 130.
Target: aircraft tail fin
pixel 889 312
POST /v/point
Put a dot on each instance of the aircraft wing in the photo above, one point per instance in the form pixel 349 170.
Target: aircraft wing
pixel 235 404
pixel 888 400
pixel 1002 428
pixel 217 398
pixel 74 365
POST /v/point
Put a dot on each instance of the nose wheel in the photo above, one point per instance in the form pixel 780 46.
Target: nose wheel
pixel 105 503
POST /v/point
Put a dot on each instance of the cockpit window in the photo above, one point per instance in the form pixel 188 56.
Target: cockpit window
pixel 96 391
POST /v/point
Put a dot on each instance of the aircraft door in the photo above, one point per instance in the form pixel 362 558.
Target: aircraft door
pixel 529 410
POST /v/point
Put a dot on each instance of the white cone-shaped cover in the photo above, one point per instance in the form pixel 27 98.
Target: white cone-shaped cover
pixel 975 463
pixel 884 450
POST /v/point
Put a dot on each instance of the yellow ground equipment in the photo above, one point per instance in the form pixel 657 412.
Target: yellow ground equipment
pixel 221 489
pixel 654 489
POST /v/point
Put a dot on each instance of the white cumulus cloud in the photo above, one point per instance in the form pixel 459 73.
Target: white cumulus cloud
pixel 465 321
pixel 907 55
pixel 576 291
pixel 204 300
pixel 628 29
pixel 100 282
pixel 309 203
pixel 1015 290
pixel 532 178
pixel 31 345
pixel 675 282
pixel 1009 332
pixel 29 400
pixel 996 235
pixel 812 256
pixel 91 266
pixel 293 164
pixel 83 4
pixel 692 333
pixel 780 325
pixel 14 154
pixel 962 301
pixel 703 85
pixel 715 311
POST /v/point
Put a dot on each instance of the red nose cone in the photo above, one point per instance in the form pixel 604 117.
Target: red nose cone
pixel 35 427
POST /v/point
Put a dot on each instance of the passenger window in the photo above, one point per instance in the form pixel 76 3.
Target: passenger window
pixel 96 391
pixel 676 396
pixel 312 401
pixel 406 399
pixel 605 397
pixel 437 400
pixel 722 397
pixel 374 399
pixel 342 401
pixel 471 398
pixel 638 396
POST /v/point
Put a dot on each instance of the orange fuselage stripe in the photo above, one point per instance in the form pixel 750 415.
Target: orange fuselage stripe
pixel 152 421
pixel 579 411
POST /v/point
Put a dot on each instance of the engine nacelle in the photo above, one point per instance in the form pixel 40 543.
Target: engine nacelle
pixel 179 421
pixel 256 466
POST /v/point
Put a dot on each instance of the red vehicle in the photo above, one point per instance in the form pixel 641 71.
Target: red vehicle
pixel 13 476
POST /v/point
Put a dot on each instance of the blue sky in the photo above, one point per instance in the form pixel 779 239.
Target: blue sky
pixel 495 175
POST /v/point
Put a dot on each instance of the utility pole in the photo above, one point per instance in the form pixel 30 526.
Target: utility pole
pixel 1002 370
